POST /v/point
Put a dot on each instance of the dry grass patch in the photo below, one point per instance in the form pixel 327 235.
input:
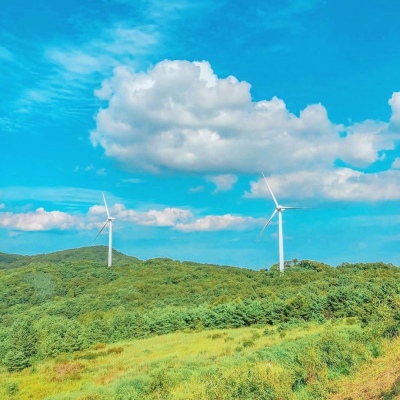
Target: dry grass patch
pixel 378 380
pixel 65 371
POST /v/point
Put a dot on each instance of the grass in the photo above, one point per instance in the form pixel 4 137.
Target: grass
pixel 187 358
pixel 184 365
pixel 380 379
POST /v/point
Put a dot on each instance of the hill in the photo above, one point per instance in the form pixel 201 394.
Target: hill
pixel 97 254
pixel 68 304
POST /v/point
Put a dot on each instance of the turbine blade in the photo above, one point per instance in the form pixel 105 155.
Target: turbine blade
pixel 100 230
pixel 265 226
pixel 270 190
pixel 105 203
pixel 294 208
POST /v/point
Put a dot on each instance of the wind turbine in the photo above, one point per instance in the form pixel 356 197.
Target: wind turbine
pixel 278 209
pixel 110 221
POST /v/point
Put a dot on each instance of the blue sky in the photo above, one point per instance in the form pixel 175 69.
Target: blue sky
pixel 173 110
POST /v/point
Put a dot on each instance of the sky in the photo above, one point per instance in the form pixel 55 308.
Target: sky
pixel 174 109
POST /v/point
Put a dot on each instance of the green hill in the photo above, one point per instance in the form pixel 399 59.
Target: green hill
pixel 96 254
pixel 58 307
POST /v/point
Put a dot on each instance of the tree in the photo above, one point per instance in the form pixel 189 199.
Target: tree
pixel 15 360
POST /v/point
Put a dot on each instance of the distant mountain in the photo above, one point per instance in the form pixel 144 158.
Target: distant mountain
pixel 97 254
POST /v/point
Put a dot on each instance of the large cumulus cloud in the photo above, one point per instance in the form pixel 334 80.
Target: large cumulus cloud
pixel 181 116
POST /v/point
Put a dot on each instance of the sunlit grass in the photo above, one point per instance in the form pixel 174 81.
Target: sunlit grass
pixel 380 379
pixel 190 357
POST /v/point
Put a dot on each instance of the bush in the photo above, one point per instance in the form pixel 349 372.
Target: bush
pixel 246 383
pixel 134 389
pixel 115 350
pixel 58 335
pixel 16 360
pixel 392 331
pixel 12 388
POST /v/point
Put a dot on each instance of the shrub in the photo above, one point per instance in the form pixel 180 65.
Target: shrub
pixel 392 331
pixel 16 360
pixel 245 383
pixel 216 336
pixel 91 356
pixel 59 335
pixel 134 389
pixel 248 343
pixel 159 384
pixel 12 388
pixel 115 350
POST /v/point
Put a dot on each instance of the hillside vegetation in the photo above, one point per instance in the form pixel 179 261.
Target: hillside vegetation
pixel 279 337
pixel 95 254
pixel 245 363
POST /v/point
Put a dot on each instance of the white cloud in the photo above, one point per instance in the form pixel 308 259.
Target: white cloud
pixel 223 182
pixel 38 96
pixel 396 163
pixel 40 220
pixel 363 141
pixel 166 217
pixel 97 210
pixel 110 48
pixel 180 115
pixel 91 168
pixel 342 184
pixel 394 103
pixel 101 172
pixel 176 218
pixel 196 189
pixel 219 223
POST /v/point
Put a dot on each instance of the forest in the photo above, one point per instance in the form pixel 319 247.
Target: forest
pixel 280 336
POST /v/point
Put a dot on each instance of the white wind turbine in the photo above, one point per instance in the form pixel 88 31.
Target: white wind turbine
pixel 109 221
pixel 278 209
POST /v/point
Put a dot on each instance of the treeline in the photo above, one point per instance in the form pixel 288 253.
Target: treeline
pixel 58 308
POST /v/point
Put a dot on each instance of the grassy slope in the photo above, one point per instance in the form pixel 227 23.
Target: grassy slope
pixel 190 360
pixel 380 379
pixel 186 364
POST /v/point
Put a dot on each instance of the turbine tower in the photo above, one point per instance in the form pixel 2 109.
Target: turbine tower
pixel 108 221
pixel 278 209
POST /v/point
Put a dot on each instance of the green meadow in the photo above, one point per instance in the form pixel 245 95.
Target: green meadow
pixel 71 328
